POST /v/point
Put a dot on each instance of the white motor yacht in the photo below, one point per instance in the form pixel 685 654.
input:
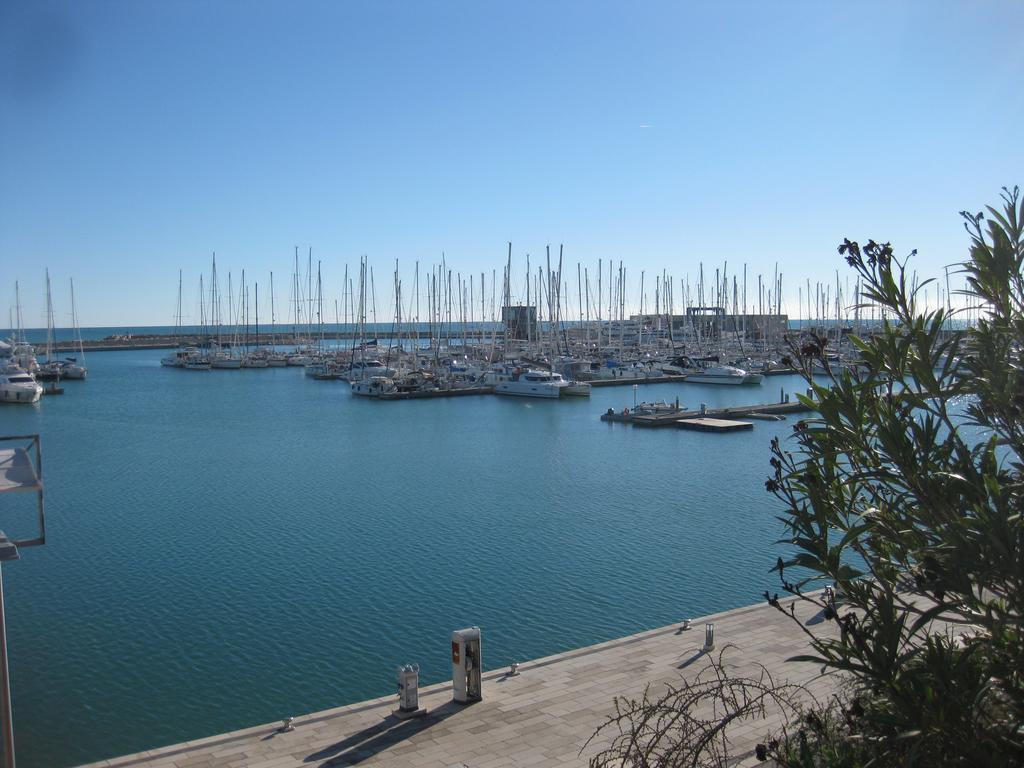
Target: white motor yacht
pixel 18 386
pixel 508 379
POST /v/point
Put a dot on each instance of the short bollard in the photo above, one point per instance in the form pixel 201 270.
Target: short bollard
pixel 831 611
pixel 409 692
pixel 709 637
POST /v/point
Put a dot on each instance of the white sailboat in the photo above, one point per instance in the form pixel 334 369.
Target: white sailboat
pixel 49 370
pixel 188 358
pixel 74 367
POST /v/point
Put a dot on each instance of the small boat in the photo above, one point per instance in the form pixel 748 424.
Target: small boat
pixel 658 408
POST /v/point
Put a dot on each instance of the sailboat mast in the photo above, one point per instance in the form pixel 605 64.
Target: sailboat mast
pixel 74 323
pixel 49 320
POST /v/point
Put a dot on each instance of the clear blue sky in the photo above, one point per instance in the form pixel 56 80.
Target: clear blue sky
pixel 138 138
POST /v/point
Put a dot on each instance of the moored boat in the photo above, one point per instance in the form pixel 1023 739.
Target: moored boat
pixel 373 386
pixel 508 379
pixel 18 386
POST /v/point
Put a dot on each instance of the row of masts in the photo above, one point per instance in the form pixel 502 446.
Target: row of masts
pixel 601 301
pixel 17 327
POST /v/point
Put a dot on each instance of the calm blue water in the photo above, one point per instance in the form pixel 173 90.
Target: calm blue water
pixel 230 547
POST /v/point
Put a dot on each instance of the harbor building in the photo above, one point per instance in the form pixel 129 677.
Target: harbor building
pixel 520 321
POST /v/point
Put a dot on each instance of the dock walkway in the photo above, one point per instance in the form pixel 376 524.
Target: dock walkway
pixel 541 717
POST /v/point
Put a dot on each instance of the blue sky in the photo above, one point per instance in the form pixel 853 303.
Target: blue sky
pixel 138 138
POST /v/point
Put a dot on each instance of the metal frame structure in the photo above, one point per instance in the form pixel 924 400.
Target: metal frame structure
pixel 18 473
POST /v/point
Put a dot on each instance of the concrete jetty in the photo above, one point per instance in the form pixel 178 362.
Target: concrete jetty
pixel 543 716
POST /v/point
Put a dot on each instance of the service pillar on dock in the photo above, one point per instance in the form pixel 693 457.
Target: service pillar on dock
pixel 467 658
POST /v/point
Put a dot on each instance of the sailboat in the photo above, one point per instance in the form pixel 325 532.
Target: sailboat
pixel 189 358
pixel 50 369
pixel 74 367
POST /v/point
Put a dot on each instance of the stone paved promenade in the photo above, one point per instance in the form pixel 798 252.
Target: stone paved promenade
pixel 541 717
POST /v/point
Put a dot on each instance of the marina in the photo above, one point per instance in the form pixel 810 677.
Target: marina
pixel 426 385
pixel 158 534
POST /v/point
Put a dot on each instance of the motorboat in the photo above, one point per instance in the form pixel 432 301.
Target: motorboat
pixel 723 374
pixel 508 379
pixel 18 386
pixel 659 408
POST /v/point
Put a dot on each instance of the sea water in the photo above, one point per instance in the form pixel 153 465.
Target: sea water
pixel 227 548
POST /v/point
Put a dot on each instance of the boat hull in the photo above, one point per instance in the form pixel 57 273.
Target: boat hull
pixel 750 378
pixel 526 389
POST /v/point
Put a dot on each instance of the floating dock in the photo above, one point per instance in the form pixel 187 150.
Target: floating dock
pixel 713 425
pixel 669 419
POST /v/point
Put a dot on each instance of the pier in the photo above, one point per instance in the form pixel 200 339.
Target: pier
pixel 542 716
